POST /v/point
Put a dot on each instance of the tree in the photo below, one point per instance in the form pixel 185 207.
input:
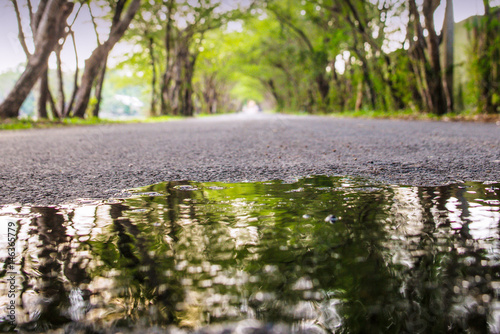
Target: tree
pixel 448 56
pixel 426 56
pixel 97 59
pixel 317 54
pixel 53 15
pixel 486 59
pixel 185 27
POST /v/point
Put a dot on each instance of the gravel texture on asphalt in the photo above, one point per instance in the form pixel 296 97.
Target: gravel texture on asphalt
pixel 53 166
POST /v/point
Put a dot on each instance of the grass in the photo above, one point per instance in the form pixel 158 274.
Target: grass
pixel 465 116
pixel 28 123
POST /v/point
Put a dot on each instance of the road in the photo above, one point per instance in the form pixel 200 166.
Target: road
pixel 53 166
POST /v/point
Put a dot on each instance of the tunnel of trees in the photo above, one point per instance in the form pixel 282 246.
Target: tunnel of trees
pixel 204 56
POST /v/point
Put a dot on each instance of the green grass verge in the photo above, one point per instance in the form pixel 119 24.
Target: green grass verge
pixel 21 124
pixel 467 116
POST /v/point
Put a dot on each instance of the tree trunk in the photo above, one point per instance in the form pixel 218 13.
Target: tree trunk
pixel 427 65
pixel 210 93
pixel 272 87
pixel 69 106
pixel 154 97
pixel 366 77
pixel 98 88
pixel 188 106
pixel 449 38
pixel 91 71
pixel 324 88
pixel 167 75
pixel 418 58
pixel 175 98
pixel 120 4
pixel 435 81
pixel 50 29
pixel 59 109
pixel 43 95
pixel 96 59
pixel 37 17
pixel 180 95
pixel 359 97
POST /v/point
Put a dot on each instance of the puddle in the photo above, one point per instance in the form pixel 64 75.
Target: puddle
pixel 320 255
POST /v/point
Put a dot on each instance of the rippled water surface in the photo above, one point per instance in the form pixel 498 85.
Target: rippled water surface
pixel 321 255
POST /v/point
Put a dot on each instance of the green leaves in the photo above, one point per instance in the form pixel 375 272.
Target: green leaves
pixel 317 56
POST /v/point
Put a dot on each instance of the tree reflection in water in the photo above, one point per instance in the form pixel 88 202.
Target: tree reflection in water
pixel 190 255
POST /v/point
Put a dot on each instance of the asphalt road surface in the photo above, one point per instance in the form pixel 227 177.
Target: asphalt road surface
pixel 53 166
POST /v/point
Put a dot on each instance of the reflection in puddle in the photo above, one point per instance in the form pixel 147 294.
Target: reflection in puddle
pixel 191 256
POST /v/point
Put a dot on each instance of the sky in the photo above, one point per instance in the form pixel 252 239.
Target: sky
pixel 12 54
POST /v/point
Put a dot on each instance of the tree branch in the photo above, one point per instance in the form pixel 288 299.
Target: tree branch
pixel 69 106
pixel 22 38
pixel 37 17
pixel 94 24
pixel 297 30
pixel 30 9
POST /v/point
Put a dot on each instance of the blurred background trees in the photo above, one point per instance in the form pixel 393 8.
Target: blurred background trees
pixel 184 57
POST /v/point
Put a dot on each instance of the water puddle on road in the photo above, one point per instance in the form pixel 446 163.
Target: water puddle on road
pixel 320 255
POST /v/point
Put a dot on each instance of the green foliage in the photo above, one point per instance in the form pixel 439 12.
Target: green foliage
pixel 31 123
pixel 485 65
pixel 290 52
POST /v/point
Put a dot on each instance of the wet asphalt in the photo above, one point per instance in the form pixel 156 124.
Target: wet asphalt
pixel 54 166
